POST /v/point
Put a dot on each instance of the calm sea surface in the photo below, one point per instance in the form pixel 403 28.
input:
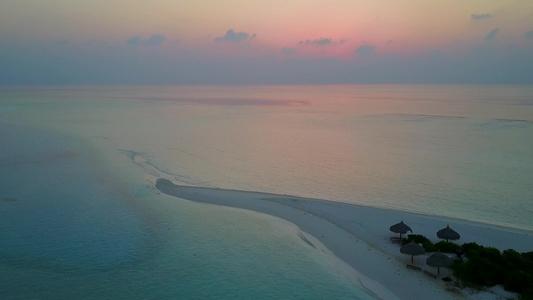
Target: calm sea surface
pixel 79 218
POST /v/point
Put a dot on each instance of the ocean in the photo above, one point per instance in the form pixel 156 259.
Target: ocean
pixel 79 217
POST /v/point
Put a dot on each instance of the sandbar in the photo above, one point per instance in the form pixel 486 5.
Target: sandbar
pixel 357 241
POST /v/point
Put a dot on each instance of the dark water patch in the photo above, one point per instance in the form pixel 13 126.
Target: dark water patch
pixel 227 101
pixel 423 117
pixel 506 124
pixel 513 121
pixel 101 137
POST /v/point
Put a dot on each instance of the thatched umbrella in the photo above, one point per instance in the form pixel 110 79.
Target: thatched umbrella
pixel 438 260
pixel 400 228
pixel 412 249
pixel 448 234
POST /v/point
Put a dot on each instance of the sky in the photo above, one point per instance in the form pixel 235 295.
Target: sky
pixel 266 42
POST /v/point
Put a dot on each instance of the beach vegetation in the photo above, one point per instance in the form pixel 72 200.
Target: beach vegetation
pixel 422 240
pixel 447 247
pixel 487 266
pixel 442 246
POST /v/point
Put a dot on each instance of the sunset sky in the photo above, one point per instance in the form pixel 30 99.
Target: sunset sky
pixel 265 42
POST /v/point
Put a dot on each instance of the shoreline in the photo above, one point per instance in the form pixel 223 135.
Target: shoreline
pixel 356 239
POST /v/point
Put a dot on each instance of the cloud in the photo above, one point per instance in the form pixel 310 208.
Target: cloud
pixel 529 34
pixel 492 34
pixel 234 37
pixel 23 64
pixel 287 50
pixel 478 17
pixel 136 40
pixel 320 42
pixel 154 40
pixel 366 50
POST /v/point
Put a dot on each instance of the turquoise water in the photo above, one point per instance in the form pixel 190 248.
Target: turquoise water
pixel 80 219
pixel 67 233
pixel 50 197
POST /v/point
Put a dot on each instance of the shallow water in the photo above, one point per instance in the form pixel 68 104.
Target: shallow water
pixel 81 220
pixel 68 233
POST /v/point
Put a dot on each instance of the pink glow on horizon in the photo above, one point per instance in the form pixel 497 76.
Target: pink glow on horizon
pixel 215 33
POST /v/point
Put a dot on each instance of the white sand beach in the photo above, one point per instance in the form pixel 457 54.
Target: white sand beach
pixel 356 239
